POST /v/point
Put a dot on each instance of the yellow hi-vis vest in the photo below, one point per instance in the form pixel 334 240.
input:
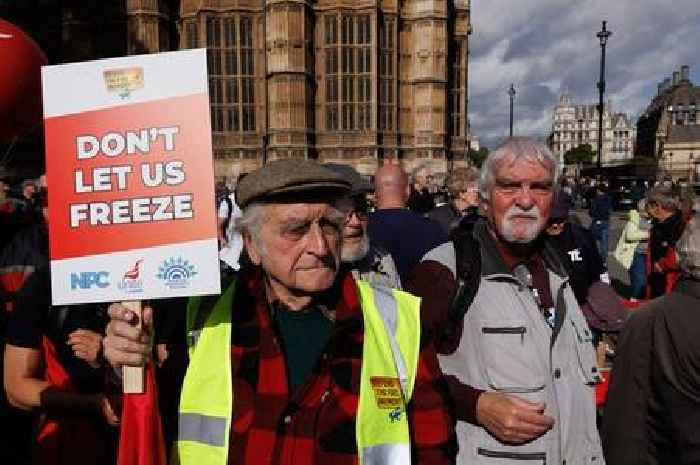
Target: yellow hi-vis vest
pixel 389 363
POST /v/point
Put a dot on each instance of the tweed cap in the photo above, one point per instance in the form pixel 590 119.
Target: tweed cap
pixel 289 179
pixel 358 184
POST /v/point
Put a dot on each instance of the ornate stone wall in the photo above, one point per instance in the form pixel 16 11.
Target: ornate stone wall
pixel 353 81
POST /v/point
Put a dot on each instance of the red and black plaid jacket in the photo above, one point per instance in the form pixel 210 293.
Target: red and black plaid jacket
pixel 316 425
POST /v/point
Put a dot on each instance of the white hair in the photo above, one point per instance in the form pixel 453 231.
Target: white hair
pixel 518 147
pixel 664 197
pixel 250 222
pixel 688 248
pixel 253 217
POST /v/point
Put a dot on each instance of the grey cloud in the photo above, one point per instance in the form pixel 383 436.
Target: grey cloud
pixel 547 47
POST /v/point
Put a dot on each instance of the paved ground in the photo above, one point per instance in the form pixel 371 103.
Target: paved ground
pixel 618 275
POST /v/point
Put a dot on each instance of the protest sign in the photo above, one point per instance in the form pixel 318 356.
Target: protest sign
pixel 130 176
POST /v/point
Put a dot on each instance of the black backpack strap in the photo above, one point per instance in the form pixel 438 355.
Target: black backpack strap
pixel 468 257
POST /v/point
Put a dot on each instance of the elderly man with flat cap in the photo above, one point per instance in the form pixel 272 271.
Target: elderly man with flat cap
pixel 297 362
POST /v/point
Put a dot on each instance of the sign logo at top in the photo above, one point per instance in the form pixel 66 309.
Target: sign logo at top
pixel 124 81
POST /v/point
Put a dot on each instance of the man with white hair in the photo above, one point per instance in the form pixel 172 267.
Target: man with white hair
pixel 297 362
pixel 525 342
pixel 652 414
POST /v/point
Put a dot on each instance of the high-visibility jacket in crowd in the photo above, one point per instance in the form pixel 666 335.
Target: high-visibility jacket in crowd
pixel 391 346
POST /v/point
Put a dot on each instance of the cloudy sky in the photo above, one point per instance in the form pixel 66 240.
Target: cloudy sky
pixel 546 47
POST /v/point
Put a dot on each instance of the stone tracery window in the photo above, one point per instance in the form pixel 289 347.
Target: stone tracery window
pixel 231 73
pixel 348 72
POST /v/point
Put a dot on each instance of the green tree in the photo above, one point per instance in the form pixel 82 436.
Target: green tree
pixel 581 154
pixel 478 156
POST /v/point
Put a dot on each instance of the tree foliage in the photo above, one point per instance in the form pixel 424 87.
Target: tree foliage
pixel 582 154
pixel 477 157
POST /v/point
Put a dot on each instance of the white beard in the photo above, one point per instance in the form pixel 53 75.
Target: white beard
pixel 356 252
pixel 521 234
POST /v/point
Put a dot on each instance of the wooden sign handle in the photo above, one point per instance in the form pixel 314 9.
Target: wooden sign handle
pixel 133 376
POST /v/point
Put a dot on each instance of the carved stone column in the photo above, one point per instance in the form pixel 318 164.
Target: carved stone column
pixel 288 47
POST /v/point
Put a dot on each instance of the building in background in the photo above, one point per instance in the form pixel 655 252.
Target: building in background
pixel 357 82
pixel 574 125
pixel 669 129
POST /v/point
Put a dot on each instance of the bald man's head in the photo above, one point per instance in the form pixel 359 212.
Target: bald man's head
pixel 391 187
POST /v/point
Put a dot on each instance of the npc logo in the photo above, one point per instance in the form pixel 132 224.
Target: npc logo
pixel 89 280
pixel 131 281
pixel 176 273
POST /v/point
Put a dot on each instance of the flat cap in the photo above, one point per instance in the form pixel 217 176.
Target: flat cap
pixel 287 178
pixel 358 184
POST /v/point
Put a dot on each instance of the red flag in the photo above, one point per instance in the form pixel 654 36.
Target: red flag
pixel 141 441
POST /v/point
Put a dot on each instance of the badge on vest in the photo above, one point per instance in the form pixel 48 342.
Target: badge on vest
pixel 387 392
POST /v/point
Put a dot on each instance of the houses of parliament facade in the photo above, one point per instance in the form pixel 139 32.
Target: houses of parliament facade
pixel 359 82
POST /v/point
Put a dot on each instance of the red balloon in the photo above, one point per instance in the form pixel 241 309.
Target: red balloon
pixel 20 82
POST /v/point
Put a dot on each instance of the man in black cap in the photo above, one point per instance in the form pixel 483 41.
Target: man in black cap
pixel 297 362
pixel 588 275
pixel 578 251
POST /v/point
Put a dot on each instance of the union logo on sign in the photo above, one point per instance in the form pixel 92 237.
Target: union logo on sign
pixel 131 281
pixel 176 272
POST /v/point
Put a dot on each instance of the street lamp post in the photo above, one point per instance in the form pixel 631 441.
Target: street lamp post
pixel 511 93
pixel 603 36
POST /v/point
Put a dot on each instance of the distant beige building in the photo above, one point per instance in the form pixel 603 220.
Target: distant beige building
pixel 357 82
pixel 669 128
pixel 574 125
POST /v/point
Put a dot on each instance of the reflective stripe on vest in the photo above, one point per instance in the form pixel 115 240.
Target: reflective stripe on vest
pixel 389 363
pixel 206 401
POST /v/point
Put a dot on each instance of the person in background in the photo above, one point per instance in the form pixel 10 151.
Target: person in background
pixel 631 250
pixel 407 235
pixel 667 227
pixel 8 216
pixel 231 242
pixel 600 211
pixel 652 415
pixel 423 254
pixel 366 260
pixel 421 200
pixel 53 367
pixel 463 188
pixel 26 198
pixel 578 251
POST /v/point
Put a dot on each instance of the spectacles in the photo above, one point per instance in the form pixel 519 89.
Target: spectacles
pixel 355 205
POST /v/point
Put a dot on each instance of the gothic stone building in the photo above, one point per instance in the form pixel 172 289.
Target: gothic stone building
pixel 360 82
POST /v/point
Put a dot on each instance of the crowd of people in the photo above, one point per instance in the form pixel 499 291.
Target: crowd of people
pixel 395 321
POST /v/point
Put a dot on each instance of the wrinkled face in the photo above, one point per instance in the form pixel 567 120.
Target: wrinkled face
pixel 299 245
pixel 520 199
pixel 355 240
